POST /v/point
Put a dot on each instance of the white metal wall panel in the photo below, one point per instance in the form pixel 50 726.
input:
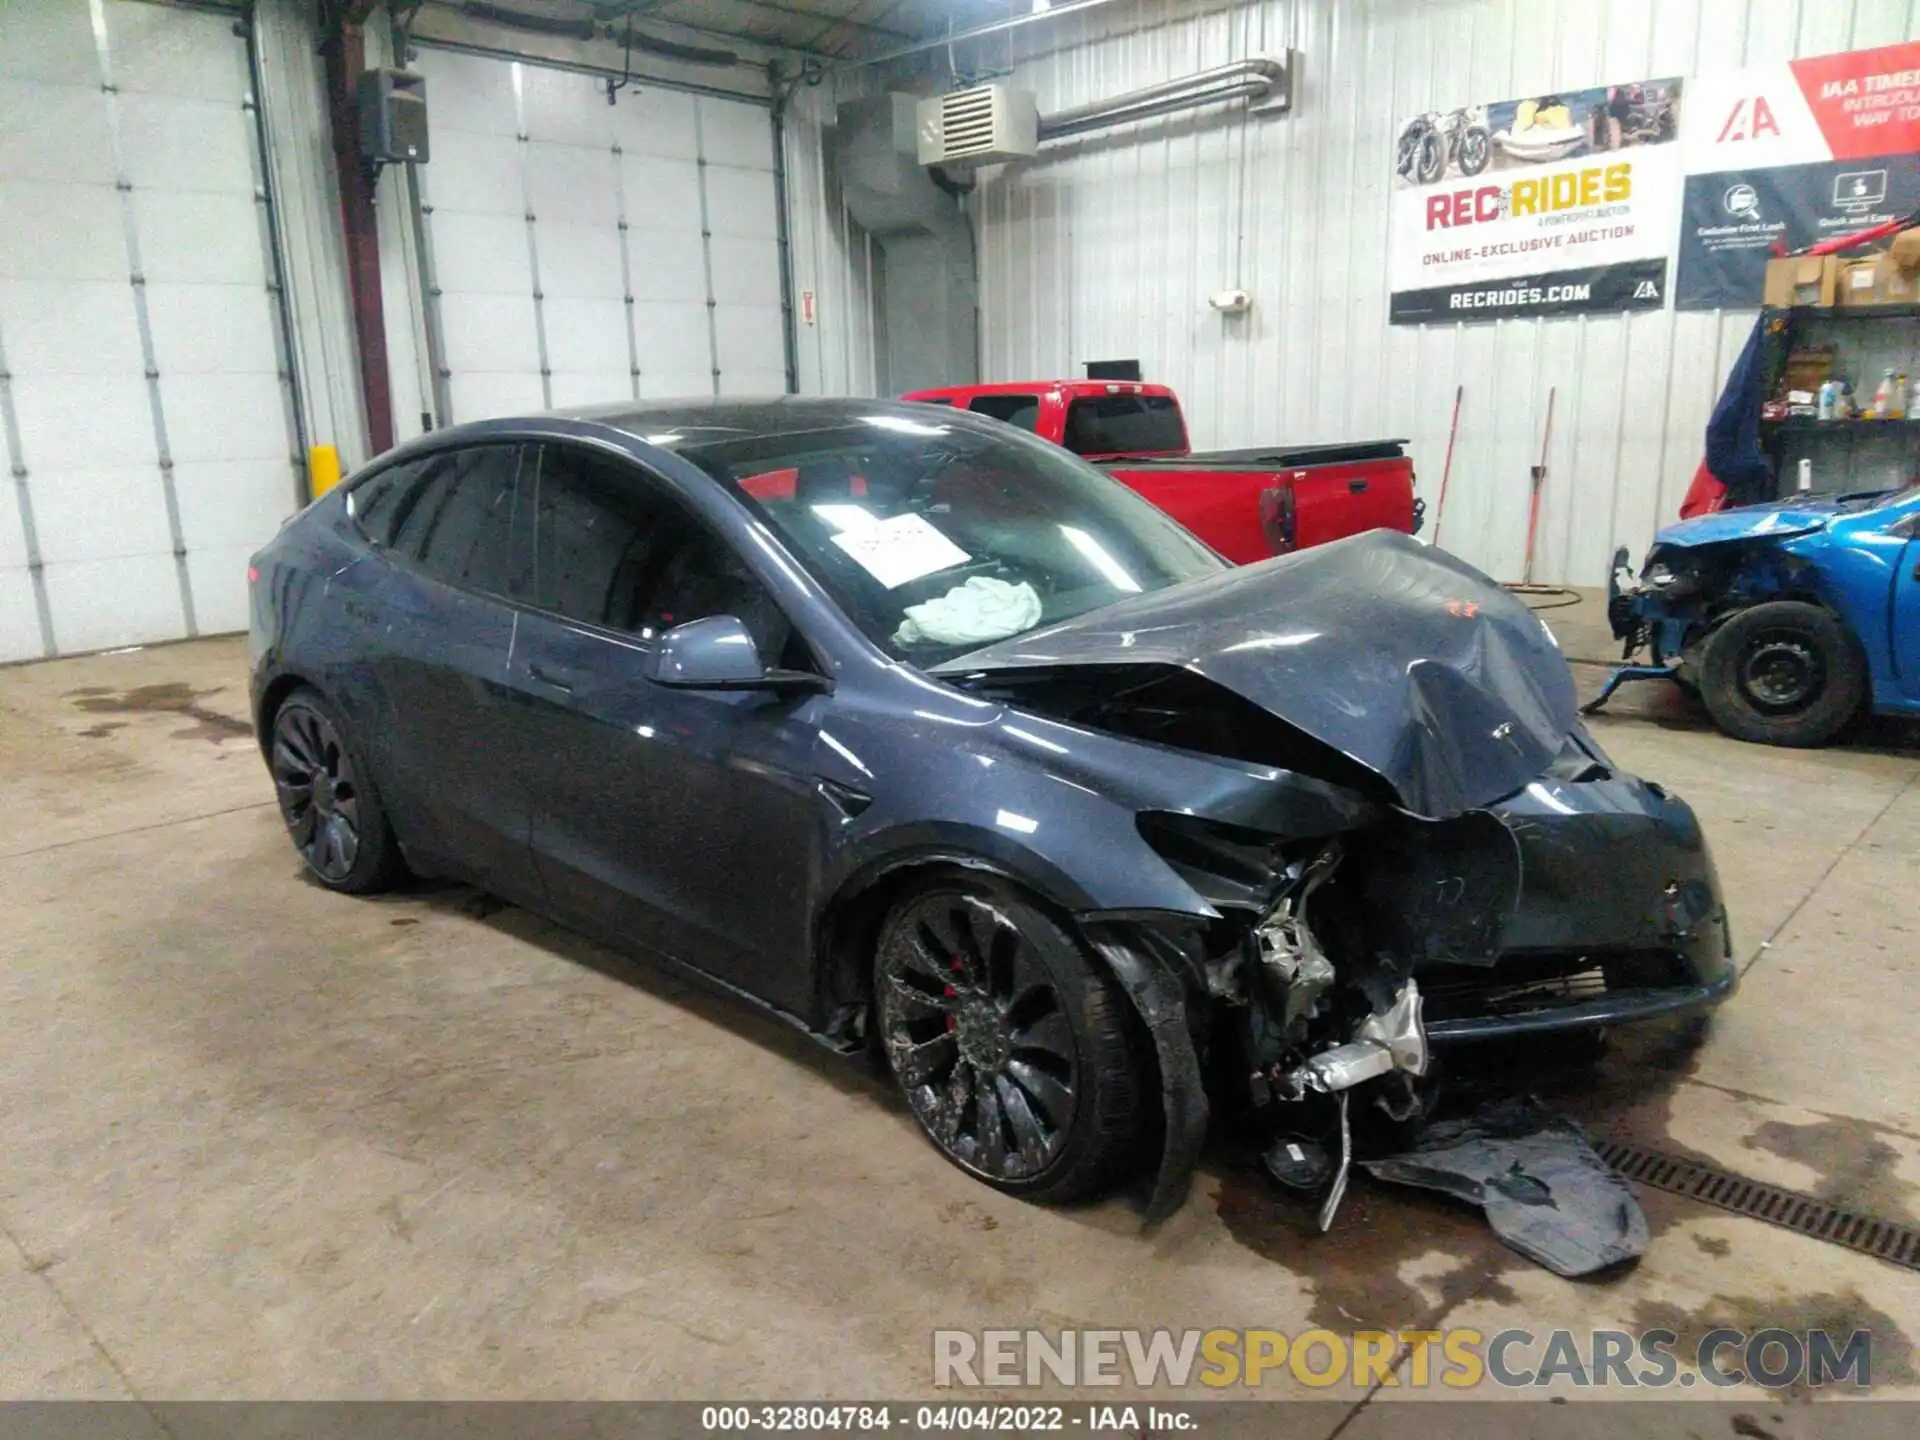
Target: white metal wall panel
pixel 145 414
pixel 832 260
pixel 307 198
pixel 584 252
pixel 1109 245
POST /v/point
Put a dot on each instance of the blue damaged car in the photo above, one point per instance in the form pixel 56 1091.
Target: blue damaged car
pixel 1789 620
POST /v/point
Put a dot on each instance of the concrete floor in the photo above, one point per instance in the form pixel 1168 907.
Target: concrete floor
pixel 265 1141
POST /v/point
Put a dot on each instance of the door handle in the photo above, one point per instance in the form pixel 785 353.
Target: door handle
pixel 1356 486
pixel 548 678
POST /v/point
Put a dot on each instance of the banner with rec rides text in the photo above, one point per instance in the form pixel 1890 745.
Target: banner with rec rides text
pixel 1559 204
pixel 1793 152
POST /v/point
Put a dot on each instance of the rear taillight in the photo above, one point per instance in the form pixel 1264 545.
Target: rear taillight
pixel 253 573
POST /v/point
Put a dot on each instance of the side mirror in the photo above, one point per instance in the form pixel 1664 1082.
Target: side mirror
pixel 718 653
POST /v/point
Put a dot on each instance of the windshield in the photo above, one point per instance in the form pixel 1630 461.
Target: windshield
pixel 939 538
pixel 1880 499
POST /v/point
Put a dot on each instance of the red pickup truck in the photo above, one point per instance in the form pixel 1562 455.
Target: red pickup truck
pixel 1246 504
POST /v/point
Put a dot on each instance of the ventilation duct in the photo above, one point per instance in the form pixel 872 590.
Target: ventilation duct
pixel 1265 80
pixel 925 291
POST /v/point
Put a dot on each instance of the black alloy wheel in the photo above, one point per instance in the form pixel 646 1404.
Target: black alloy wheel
pixel 330 810
pixel 1008 1043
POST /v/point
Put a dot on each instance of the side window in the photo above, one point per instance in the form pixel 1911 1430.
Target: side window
pixel 457 520
pixel 595 531
pixel 379 503
pixel 1021 410
pixel 611 552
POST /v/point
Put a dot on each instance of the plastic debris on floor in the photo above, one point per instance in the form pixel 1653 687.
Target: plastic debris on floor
pixel 1544 1189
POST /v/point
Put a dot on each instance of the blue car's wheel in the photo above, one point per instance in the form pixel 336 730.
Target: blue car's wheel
pixel 1010 1044
pixel 1783 673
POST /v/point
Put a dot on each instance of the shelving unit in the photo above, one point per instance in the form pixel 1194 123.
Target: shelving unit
pixel 1856 454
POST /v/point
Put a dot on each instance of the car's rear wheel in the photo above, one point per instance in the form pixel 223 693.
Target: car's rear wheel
pixel 1011 1045
pixel 327 799
pixel 1783 673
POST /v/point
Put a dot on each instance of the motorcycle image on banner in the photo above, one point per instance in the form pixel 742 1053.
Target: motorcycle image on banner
pixel 1558 204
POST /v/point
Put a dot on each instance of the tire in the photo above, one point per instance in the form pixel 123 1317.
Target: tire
pixel 332 812
pixel 1407 152
pixel 1432 161
pixel 1475 150
pixel 1783 673
pixel 971 978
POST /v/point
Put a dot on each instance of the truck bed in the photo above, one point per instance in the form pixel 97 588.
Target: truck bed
pixel 1253 504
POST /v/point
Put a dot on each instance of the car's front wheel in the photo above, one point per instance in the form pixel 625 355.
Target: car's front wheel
pixel 1783 673
pixel 327 798
pixel 1012 1046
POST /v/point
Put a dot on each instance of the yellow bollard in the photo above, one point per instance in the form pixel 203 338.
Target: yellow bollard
pixel 323 470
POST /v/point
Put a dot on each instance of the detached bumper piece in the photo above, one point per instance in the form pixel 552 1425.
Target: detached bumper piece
pixel 1544 1190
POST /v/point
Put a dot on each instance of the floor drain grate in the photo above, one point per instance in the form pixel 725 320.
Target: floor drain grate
pixel 1868 1234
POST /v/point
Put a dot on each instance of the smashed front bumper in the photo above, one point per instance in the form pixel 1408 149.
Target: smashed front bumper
pixel 1619 918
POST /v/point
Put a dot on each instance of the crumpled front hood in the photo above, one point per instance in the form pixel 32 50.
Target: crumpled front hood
pixel 1779 521
pixel 1404 658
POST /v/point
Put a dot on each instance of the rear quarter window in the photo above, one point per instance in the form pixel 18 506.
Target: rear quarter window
pixel 1021 410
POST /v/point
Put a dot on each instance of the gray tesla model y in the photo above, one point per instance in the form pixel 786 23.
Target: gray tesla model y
pixel 934 740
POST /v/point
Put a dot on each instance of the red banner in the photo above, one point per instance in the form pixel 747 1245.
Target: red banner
pixel 1866 102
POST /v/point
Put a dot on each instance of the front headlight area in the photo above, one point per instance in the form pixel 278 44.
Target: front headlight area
pixel 1306 1012
pixel 1671 573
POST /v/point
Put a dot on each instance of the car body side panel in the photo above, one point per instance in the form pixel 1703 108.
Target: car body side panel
pixel 438 663
pixel 1856 565
pixel 1049 802
pixel 686 820
pixel 1904 622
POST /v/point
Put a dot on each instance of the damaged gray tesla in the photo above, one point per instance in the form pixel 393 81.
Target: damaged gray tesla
pixel 932 739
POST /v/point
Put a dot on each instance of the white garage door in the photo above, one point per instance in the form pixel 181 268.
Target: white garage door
pixel 144 415
pixel 580 252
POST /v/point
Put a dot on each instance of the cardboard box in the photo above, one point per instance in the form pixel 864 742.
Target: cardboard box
pixel 1808 368
pixel 1906 251
pixel 1801 280
pixel 1876 280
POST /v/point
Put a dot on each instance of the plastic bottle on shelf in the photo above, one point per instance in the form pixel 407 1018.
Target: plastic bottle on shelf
pixel 1882 407
pixel 1829 399
pixel 1899 410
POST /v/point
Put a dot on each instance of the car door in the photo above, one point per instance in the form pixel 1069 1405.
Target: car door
pixel 686 821
pixel 446 524
pixel 1906 609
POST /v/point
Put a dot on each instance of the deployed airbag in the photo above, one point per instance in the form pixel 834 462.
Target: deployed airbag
pixel 977 613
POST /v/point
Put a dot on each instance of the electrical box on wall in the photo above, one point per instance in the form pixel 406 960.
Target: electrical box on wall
pixel 986 125
pixel 393 116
